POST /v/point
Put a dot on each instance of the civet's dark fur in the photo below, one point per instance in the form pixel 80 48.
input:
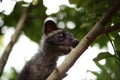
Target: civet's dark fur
pixel 55 42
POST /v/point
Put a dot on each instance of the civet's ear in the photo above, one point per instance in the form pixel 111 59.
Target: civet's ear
pixel 49 26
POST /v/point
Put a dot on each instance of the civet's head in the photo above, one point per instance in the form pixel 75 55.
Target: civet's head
pixel 58 41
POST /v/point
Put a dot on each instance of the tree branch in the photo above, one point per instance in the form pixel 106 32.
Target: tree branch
pixel 14 38
pixel 109 29
pixel 85 42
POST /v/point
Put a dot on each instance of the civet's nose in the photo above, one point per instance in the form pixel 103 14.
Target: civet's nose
pixel 75 43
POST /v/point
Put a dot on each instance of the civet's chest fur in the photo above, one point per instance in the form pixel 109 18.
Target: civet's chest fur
pixel 55 42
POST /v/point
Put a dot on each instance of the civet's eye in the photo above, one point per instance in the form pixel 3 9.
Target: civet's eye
pixel 61 36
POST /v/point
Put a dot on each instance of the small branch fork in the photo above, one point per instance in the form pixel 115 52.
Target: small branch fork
pixel 109 29
pixel 97 30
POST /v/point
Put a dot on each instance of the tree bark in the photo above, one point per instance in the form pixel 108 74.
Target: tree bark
pixel 59 72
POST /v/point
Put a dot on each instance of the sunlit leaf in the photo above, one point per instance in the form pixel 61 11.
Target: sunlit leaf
pixel 1 40
pixel 13 74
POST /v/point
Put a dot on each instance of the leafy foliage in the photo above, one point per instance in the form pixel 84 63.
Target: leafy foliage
pixel 85 17
pixel 13 18
pixel 34 23
pixel 110 70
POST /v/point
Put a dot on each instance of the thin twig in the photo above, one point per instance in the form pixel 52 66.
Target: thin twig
pixel 111 42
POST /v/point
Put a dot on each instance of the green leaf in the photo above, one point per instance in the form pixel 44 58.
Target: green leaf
pixel 12 19
pixel 13 74
pixel 117 42
pixel 109 71
pixel 95 73
pixel 103 55
pixel 34 23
